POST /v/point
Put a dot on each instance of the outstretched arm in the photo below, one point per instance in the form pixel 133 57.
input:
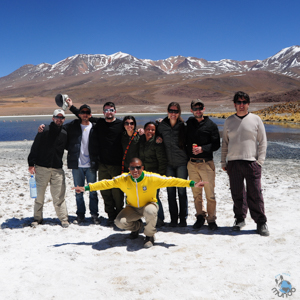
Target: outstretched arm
pixel 79 189
pixel 200 184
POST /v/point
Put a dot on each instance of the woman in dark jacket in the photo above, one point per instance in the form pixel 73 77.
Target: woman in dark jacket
pixel 154 158
pixel 173 131
pixel 130 142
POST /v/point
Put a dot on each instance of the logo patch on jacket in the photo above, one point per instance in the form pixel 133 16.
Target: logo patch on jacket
pixel 144 188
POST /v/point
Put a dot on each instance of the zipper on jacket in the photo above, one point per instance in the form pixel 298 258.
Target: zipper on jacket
pixel 137 192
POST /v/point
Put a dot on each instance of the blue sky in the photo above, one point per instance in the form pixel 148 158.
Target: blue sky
pixel 36 31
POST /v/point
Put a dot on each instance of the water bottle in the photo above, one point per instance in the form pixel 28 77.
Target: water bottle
pixel 32 186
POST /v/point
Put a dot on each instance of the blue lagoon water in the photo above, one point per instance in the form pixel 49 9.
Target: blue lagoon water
pixel 283 140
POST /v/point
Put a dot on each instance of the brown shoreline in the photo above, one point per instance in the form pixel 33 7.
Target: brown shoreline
pixel 43 109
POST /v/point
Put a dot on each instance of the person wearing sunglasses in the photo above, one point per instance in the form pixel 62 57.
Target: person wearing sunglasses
pixel 82 159
pixel 244 147
pixel 108 136
pixel 141 189
pixel 203 139
pixel 173 130
pixel 45 161
pixel 130 141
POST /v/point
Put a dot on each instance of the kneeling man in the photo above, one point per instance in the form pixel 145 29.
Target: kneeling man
pixel 140 187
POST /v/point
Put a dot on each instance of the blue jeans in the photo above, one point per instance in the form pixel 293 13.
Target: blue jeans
pixel 180 172
pixel 79 176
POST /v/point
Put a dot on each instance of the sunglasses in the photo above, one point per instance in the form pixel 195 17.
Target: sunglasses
pixel 197 108
pixel 85 112
pixel 173 111
pixel 129 123
pixel 59 117
pixel 109 110
pixel 136 167
pixel 238 102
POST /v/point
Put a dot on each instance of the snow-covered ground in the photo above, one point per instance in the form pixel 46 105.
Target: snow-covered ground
pixel 99 262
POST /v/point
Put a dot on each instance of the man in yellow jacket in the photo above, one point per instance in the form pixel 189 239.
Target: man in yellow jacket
pixel 140 187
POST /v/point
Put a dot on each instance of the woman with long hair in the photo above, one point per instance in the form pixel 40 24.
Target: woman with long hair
pixel 130 141
pixel 173 131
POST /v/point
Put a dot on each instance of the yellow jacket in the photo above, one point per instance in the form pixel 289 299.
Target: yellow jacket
pixel 142 190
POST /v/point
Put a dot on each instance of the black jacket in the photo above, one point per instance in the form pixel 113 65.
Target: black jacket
pixel 133 150
pixel 174 141
pixel 74 143
pixel 204 134
pixel 107 136
pixel 48 147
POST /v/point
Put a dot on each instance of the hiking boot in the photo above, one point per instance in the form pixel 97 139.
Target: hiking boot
pixel 95 219
pixel 199 223
pixel 135 234
pixel 149 241
pixel 110 222
pixel 182 223
pixel 79 220
pixel 173 224
pixel 65 224
pixel 160 223
pixel 238 224
pixel 35 223
pixel 213 226
pixel 262 229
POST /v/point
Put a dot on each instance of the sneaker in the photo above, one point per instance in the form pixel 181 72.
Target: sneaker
pixel 135 234
pixel 213 226
pixel 182 223
pixel 262 229
pixel 238 224
pixel 95 219
pixel 35 223
pixel 65 224
pixel 79 220
pixel 149 241
pixel 199 223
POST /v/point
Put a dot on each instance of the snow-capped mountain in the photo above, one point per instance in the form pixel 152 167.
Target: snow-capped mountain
pixel 286 61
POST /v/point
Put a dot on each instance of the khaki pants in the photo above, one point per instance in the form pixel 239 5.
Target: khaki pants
pixel 204 171
pixel 56 177
pixel 128 218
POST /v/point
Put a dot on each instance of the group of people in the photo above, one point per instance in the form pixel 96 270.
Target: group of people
pixel 134 162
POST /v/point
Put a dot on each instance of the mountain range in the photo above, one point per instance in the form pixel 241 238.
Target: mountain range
pixel 125 79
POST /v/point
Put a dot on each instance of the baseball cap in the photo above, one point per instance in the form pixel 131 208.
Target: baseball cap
pixel 57 112
pixel 197 102
pixel 85 106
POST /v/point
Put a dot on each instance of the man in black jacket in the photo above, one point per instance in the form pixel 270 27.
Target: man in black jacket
pixel 108 135
pixel 203 139
pixel 45 160
pixel 82 159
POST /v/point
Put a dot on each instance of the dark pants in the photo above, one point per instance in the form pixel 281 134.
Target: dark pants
pixel 180 172
pixel 250 197
pixel 113 198
pixel 160 213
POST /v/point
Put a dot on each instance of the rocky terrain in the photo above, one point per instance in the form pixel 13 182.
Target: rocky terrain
pixel 284 112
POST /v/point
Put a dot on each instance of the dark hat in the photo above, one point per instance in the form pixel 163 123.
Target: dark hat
pixel 85 106
pixel 197 102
